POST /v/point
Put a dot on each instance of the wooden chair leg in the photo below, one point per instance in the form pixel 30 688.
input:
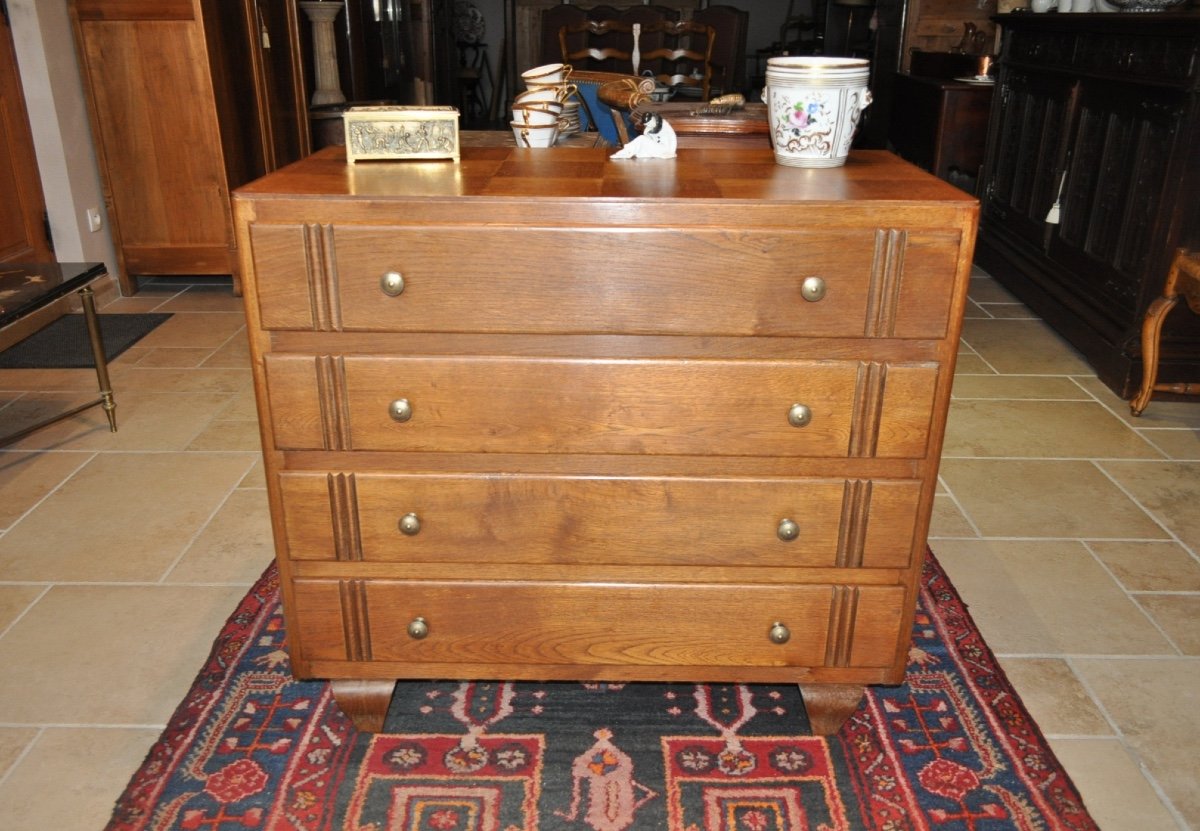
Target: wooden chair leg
pixel 1151 332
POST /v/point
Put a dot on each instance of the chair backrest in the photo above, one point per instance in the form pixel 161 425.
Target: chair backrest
pixel 686 57
pixel 608 44
pixel 676 52
pixel 555 17
pixel 729 49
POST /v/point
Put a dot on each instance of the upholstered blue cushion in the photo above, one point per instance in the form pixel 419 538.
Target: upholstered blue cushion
pixel 591 106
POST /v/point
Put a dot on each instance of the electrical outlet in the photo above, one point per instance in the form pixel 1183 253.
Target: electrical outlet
pixel 95 222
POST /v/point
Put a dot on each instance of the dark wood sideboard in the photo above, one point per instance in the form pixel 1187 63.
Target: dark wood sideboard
pixel 1099 113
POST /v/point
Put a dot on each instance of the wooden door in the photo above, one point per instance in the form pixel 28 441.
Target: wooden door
pixel 23 209
pixel 158 139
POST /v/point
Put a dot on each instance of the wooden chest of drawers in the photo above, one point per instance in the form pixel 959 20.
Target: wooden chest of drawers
pixel 539 415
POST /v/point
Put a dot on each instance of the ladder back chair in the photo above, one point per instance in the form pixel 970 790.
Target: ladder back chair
pixel 677 53
pixel 685 59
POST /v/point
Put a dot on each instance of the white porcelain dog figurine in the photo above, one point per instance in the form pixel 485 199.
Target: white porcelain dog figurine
pixel 657 141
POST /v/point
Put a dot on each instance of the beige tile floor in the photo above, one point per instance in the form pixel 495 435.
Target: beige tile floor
pixel 1071 529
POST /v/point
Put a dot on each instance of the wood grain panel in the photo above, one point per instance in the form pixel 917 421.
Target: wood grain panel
pixel 597 520
pixel 589 625
pixel 153 139
pixel 564 623
pixel 559 406
pixel 133 9
pixel 568 280
pixel 296 406
pixel 284 276
pixel 907 416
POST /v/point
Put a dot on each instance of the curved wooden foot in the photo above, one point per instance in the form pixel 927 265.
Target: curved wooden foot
pixel 365 702
pixel 829 705
pixel 1151 332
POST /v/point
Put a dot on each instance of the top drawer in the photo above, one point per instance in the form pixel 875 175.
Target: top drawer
pixel 806 283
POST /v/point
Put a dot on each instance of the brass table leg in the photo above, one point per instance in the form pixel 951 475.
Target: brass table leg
pixel 97 339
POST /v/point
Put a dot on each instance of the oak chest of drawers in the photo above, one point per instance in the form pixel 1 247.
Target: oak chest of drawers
pixel 540 415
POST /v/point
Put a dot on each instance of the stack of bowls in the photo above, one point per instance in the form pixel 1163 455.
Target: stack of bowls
pixel 537 113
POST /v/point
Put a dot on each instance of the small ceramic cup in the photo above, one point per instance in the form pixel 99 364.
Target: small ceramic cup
pixel 546 92
pixel 536 115
pixel 533 135
pixel 549 73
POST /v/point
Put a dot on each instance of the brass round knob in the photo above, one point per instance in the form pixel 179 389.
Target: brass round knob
pixel 418 629
pixel 788 530
pixel 410 525
pixel 799 415
pixel 400 410
pixel 779 633
pixel 392 283
pixel 812 289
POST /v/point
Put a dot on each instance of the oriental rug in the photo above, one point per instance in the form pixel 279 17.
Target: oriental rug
pixel 951 749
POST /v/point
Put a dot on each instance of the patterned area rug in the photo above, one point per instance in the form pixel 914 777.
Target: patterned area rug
pixel 951 749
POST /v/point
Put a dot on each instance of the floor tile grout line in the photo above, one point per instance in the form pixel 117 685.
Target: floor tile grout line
pixel 28 607
pixel 91 455
pixel 25 751
pixel 232 397
pixel 203 526
pixel 1141 459
pixel 1147 511
pixel 1019 538
pixel 135 584
pixel 1129 748
pixel 954 500
pixel 1151 619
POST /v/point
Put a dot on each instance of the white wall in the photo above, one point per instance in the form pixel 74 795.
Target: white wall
pixel 61 135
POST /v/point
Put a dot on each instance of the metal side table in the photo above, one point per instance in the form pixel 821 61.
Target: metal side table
pixel 26 288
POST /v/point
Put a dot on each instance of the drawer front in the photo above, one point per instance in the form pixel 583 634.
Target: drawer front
pixel 874 282
pixel 599 520
pixel 496 405
pixel 583 624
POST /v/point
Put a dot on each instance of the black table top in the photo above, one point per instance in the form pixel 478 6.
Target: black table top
pixel 27 287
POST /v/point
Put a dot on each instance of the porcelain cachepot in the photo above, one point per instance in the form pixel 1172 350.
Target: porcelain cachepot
pixel 814 105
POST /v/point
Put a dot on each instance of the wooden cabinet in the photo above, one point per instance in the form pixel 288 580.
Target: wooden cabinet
pixel 1099 114
pixel 187 99
pixel 941 125
pixel 536 416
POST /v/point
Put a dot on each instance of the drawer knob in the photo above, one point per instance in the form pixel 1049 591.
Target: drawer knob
pixel 779 633
pixel 410 525
pixel 799 415
pixel 392 283
pixel 400 410
pixel 812 289
pixel 788 530
pixel 418 629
